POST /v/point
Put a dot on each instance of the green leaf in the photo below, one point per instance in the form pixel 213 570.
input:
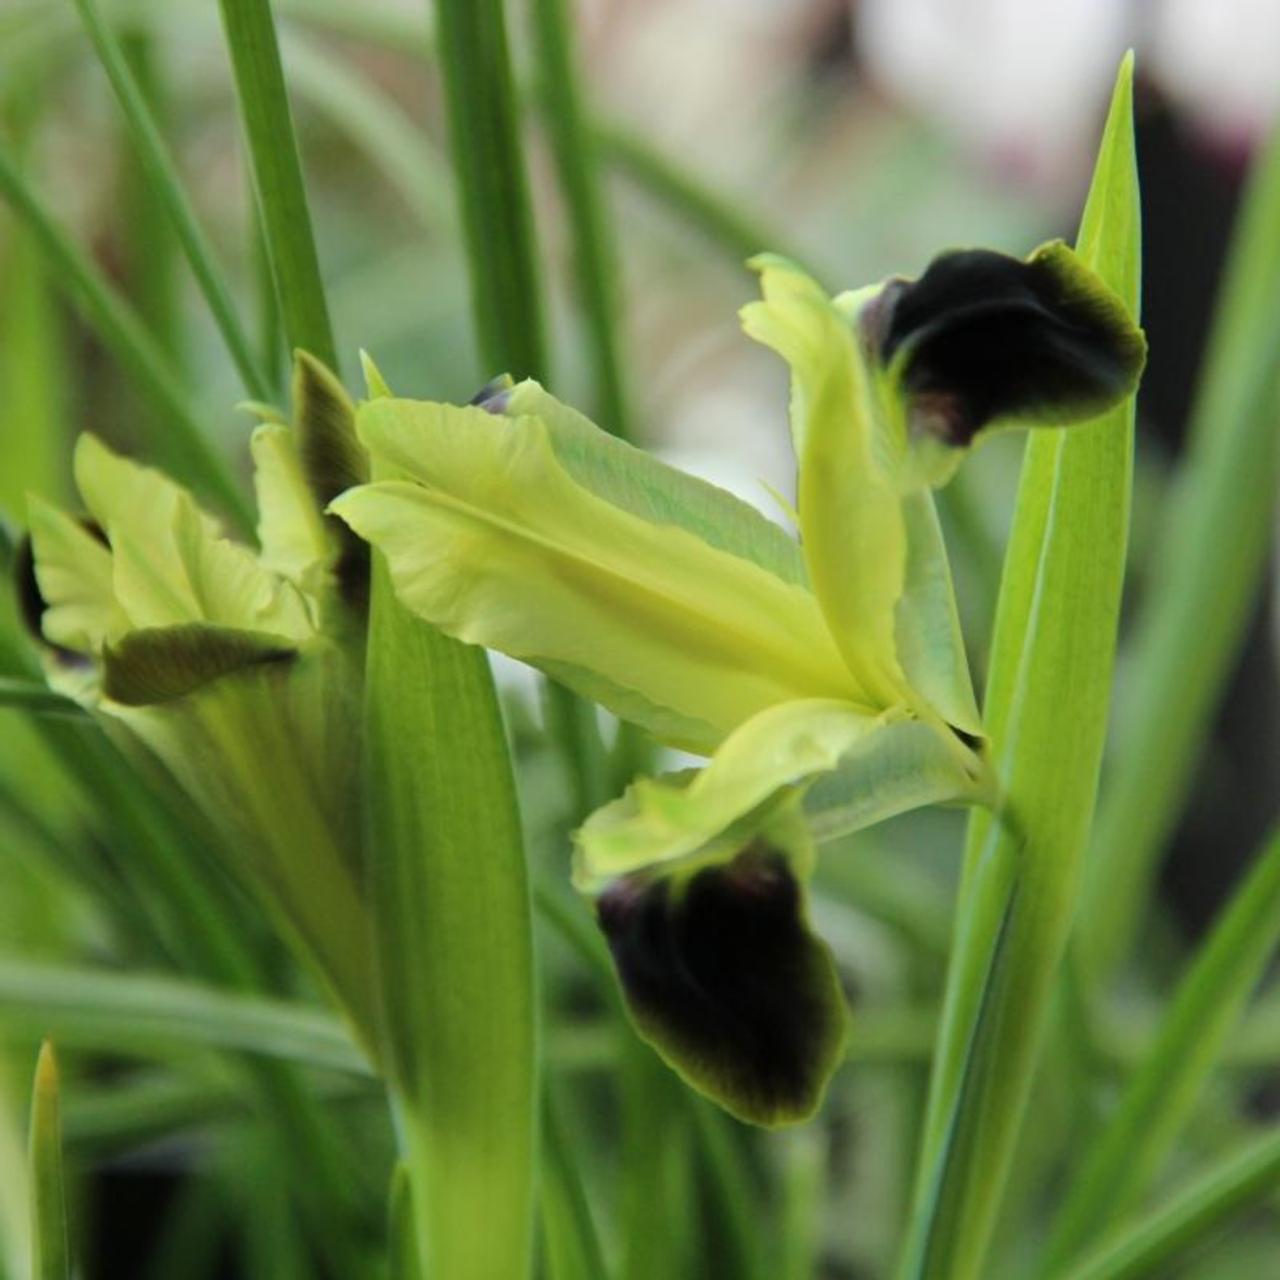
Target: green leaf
pixel 453 938
pixel 572 1246
pixel 1187 1217
pixel 1209 560
pixel 30 695
pixel 1159 1095
pixel 578 167
pixel 497 544
pixel 277 176
pixel 1046 714
pixel 148 1014
pixel 166 187
pixel 186 444
pixel 51 1250
pixel 488 157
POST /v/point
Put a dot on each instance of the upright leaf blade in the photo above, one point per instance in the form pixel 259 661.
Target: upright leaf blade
pixel 454 944
pixel 1046 714
pixel 1162 1090
pixel 277 176
pixel 51 1251
pixel 1209 562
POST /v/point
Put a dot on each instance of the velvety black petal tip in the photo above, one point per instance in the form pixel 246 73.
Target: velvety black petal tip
pixel 982 337
pixel 724 978
pixel 161 664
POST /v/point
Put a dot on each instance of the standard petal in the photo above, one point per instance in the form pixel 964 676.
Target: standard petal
pixel 627 477
pixel 850 519
pixel 661 820
pixel 723 976
pixel 982 338
pixel 78 608
pixel 491 539
pixel 170 564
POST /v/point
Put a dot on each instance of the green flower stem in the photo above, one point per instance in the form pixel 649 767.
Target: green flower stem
pixel 577 163
pixel 1209 565
pixel 1149 1246
pixel 185 446
pixel 51 1252
pixel 277 176
pixel 166 188
pixel 454 941
pixel 1163 1089
pixel 1046 714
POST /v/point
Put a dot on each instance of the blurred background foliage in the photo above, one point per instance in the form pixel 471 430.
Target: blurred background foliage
pixel 217 1134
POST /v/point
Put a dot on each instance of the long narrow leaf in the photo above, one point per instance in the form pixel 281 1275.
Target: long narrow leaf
pixel 1186 1218
pixel 51 1250
pixel 1162 1090
pixel 453 933
pixel 575 149
pixel 1046 715
pixel 146 1013
pixel 1209 562
pixel 277 176
pixel 185 445
pixel 166 187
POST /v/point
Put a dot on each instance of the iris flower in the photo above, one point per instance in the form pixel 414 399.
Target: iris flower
pixel 239 670
pixel 825 677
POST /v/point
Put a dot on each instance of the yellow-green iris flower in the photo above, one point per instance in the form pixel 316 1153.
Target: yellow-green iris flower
pixel 240 670
pixel 830 668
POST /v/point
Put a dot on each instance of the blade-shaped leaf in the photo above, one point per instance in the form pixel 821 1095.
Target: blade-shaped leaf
pixel 51 1252
pixel 1047 708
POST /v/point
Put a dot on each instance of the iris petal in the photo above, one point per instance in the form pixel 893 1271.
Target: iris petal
pixel 982 337
pixel 723 976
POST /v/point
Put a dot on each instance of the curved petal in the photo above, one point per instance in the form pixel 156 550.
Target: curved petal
pixel 492 540
pixel 170 564
pixel 661 820
pixel 878 767
pixel 73 572
pixel 850 519
pixel 627 477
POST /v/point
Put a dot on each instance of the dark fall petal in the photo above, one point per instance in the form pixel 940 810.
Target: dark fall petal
pixel 724 978
pixel 982 336
pixel 334 461
pixel 163 663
